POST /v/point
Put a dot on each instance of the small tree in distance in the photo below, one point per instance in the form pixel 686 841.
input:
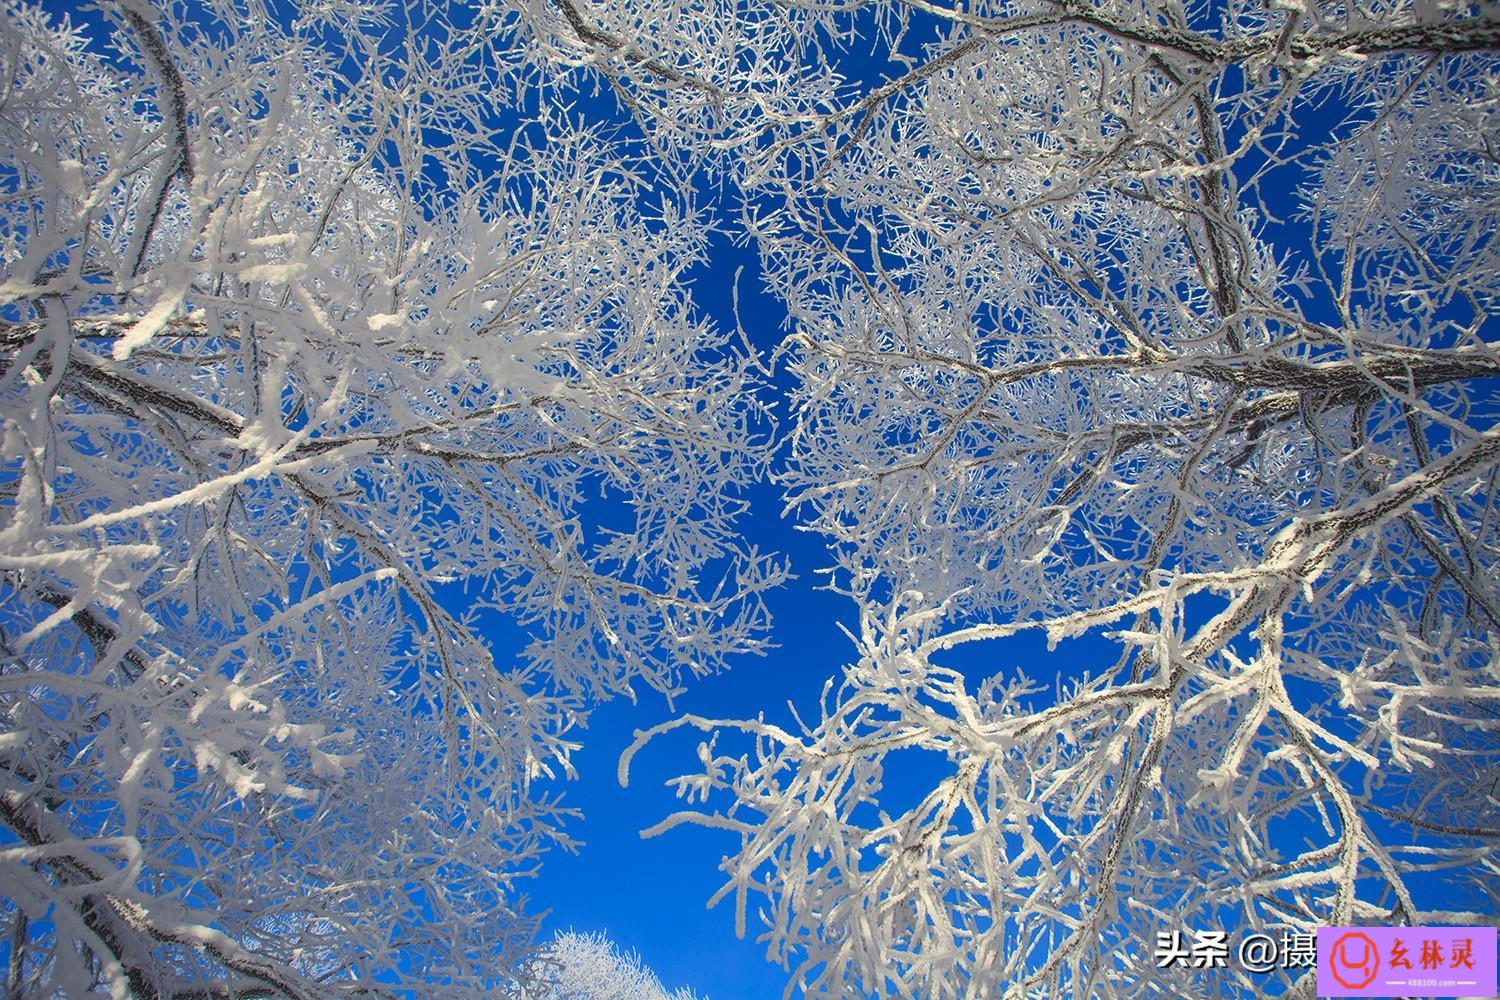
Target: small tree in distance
pixel 592 967
pixel 311 334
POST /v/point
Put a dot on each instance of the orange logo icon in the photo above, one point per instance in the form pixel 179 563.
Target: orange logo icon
pixel 1354 960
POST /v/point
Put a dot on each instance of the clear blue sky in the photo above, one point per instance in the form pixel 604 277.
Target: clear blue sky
pixel 650 895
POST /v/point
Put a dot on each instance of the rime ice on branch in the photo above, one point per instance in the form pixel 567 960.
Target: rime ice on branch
pixel 310 333
pixel 1171 323
pixel 578 966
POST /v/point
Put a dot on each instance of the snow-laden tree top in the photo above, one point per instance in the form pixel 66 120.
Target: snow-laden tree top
pixel 1168 323
pixel 592 967
pixel 320 357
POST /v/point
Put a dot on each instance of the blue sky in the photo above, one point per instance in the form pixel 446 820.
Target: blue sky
pixel 650 895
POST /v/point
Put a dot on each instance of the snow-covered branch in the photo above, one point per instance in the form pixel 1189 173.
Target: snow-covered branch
pixel 1164 324
pixel 320 361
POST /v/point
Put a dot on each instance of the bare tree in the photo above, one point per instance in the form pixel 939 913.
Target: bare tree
pixel 312 330
pixel 1172 324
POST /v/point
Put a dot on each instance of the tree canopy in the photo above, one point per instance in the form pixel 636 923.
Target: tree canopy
pixel 1171 324
pixel 330 332
pixel 317 354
